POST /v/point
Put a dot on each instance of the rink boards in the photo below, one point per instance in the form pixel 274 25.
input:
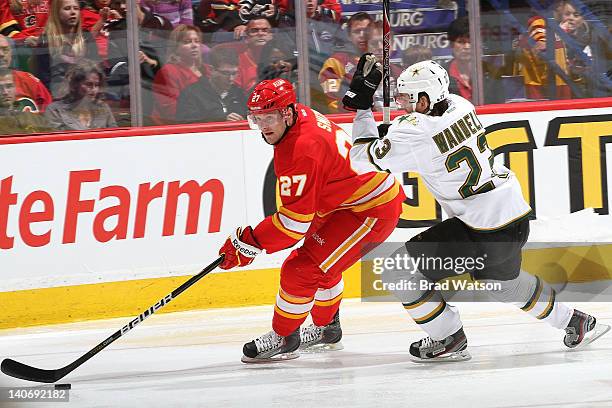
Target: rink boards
pixel 103 224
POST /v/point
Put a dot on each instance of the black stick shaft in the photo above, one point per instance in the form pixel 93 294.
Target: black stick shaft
pixel 386 63
pixel 26 372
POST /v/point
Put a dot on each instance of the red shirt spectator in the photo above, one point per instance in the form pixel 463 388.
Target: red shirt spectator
pixel 219 15
pixel 93 19
pixel 314 10
pixel 167 86
pixel 258 34
pixel 184 67
pixel 20 19
pixel 29 88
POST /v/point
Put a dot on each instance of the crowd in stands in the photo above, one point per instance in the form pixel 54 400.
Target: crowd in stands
pixel 64 63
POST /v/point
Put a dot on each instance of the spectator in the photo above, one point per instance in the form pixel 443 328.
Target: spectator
pixel 414 54
pixel 83 107
pixel 579 56
pixel 337 70
pixel 184 67
pixel 15 117
pixel 601 10
pixel 258 34
pixel 233 15
pixel 250 9
pixel 221 15
pixel 215 99
pixel 534 66
pixel 460 67
pixel 29 91
pixel 278 60
pixel 152 30
pixel 94 15
pixel 323 31
pixel 175 11
pixel 318 10
pixel 23 20
pixel 375 46
pixel 62 44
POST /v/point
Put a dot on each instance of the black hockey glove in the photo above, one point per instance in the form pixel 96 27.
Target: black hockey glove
pixel 365 81
pixel 383 128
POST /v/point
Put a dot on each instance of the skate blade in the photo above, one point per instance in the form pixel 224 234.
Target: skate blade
pixel 279 358
pixel 322 348
pixel 457 356
pixel 599 330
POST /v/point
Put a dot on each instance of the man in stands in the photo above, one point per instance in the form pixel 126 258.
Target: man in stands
pixel 460 66
pixel 17 116
pixel 258 34
pixel 30 92
pixel 337 71
pixel 215 98
pixel 326 201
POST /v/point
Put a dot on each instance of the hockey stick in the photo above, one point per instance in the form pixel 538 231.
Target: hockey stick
pixel 386 64
pixel 29 373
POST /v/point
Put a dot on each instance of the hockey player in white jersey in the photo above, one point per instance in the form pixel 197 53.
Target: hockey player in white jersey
pixel 442 139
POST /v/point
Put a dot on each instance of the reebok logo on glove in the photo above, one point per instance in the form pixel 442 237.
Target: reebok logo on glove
pixel 245 250
pixel 239 249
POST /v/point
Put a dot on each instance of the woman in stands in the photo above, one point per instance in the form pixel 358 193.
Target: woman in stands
pixel 62 44
pixel 183 68
pixel 83 106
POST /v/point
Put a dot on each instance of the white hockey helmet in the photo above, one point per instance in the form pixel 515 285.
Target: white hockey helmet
pixel 425 76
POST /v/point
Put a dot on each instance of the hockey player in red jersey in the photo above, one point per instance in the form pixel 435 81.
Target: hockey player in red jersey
pixel 325 201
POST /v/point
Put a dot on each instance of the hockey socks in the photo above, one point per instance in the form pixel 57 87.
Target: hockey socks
pixel 534 296
pixel 431 312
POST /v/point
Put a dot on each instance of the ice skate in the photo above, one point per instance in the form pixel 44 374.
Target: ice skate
pixel 271 348
pixel 322 338
pixel 452 348
pixel 582 330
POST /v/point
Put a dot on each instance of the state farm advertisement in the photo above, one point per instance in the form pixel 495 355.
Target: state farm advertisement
pixel 85 211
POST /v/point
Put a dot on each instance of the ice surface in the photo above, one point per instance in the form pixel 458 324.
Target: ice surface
pixel 192 359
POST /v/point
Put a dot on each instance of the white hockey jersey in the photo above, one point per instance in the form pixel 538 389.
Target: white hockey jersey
pixel 451 154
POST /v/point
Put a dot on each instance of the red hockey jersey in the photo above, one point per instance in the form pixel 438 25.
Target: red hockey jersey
pixel 335 77
pixel 28 22
pixel 30 93
pixel 315 178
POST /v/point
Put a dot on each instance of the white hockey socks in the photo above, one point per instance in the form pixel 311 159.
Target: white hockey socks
pixel 534 296
pixel 427 307
pixel 431 312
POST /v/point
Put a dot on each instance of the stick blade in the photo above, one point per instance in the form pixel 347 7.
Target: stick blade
pixel 29 373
